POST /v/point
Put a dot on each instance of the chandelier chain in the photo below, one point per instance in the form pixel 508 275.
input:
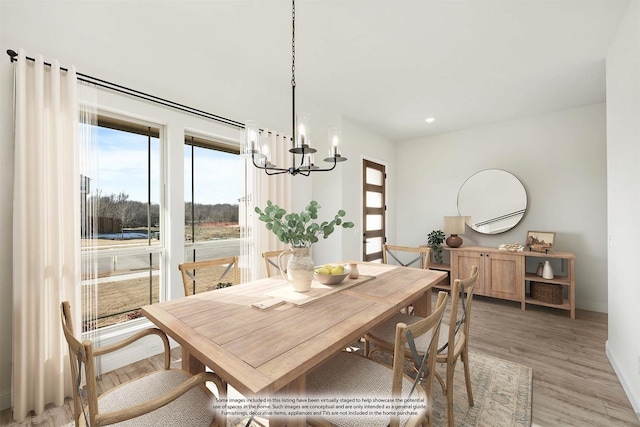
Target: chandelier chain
pixel 293 43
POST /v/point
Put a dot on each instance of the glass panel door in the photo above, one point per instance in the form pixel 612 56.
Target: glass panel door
pixel 374 210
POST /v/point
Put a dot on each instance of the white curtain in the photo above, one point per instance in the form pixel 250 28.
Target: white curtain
pixel 259 187
pixel 46 231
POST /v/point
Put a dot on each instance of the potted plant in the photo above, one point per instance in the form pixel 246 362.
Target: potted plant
pixel 434 240
pixel 300 230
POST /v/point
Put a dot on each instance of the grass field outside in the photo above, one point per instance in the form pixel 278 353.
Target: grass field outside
pixel 119 300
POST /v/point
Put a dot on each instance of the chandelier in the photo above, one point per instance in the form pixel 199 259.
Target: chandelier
pixel 302 159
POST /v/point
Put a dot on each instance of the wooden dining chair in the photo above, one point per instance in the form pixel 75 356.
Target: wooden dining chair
pixel 454 338
pixel 200 276
pixel 406 256
pixel 168 396
pixel 271 262
pixel 351 374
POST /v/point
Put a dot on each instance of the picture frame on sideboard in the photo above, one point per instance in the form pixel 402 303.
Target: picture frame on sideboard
pixel 540 241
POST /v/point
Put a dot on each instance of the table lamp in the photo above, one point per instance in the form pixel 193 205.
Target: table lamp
pixel 454 225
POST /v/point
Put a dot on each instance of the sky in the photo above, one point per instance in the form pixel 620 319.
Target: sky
pixel 122 167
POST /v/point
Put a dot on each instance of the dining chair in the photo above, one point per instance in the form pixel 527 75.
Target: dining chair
pixel 271 262
pixel 209 274
pixel 351 374
pixel 406 256
pixel 454 337
pixel 167 396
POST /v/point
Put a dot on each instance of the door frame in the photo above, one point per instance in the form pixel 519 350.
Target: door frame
pixel 362 199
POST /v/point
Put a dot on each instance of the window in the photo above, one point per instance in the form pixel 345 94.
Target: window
pixel 212 193
pixel 121 232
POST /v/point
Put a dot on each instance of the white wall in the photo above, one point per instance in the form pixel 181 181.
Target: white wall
pixel 560 158
pixel 342 189
pixel 623 177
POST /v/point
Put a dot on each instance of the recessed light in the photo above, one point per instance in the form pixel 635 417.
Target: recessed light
pixel 429 120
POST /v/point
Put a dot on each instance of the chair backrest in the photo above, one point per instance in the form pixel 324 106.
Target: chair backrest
pixel 200 276
pixel 80 352
pixel 404 334
pixel 460 315
pixel 271 262
pixel 406 256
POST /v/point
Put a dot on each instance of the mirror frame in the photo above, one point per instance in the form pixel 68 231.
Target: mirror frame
pixel 490 186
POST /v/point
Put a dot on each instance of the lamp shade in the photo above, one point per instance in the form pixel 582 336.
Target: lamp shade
pixel 453 225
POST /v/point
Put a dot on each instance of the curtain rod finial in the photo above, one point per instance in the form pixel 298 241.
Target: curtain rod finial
pixel 12 53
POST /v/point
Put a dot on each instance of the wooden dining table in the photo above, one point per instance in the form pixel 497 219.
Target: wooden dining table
pixel 263 339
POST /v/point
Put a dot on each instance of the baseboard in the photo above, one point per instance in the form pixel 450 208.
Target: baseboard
pixel 597 306
pixel 5 399
pixel 631 395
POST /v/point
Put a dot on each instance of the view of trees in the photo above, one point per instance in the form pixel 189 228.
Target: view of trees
pixel 133 214
pixel 210 213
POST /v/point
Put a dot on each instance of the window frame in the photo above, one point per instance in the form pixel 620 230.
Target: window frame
pixel 126 122
pixel 209 142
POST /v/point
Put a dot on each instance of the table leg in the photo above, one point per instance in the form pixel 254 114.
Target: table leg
pixel 295 389
pixel 190 363
pixel 422 306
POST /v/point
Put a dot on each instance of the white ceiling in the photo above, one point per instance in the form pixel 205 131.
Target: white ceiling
pixel 390 64
pixel 385 64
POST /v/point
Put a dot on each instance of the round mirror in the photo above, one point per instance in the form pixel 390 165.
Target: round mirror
pixel 493 201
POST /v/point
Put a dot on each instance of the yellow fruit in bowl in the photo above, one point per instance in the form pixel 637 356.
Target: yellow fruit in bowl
pixel 323 270
pixel 329 267
pixel 338 270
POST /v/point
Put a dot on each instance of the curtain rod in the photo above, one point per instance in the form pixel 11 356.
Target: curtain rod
pixel 136 93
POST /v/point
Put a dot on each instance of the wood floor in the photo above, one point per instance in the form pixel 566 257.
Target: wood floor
pixel 573 382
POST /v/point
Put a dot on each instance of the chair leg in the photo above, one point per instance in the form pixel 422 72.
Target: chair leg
pixel 366 347
pixel 467 376
pixel 450 371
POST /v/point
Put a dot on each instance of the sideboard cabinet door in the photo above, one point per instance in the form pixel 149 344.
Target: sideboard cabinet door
pixel 461 263
pixel 504 275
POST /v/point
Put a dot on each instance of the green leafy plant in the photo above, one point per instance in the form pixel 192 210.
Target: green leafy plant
pixel 434 240
pixel 300 229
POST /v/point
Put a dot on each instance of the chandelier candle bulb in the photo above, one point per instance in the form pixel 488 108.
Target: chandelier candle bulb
pixel 308 160
pixel 266 154
pixel 252 132
pixel 334 140
pixel 302 139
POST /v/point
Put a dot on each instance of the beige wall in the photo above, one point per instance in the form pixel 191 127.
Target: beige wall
pixel 560 158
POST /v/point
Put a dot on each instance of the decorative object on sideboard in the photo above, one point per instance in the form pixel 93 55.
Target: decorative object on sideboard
pixel 546 292
pixel 301 141
pixel 434 240
pixel 539 269
pixel 454 225
pixel 547 271
pixel 540 241
pixel 511 247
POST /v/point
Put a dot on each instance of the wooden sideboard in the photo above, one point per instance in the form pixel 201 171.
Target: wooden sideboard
pixel 504 275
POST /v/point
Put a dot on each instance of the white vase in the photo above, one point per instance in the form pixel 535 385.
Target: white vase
pixel 547 271
pixel 353 271
pixel 539 270
pixel 299 269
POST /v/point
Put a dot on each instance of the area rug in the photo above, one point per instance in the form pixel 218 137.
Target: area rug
pixel 501 392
